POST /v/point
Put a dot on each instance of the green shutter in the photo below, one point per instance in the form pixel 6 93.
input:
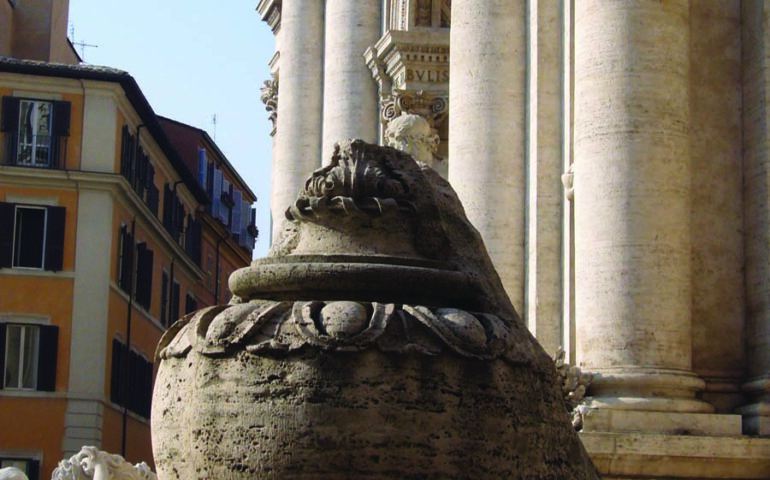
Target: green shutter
pixel 6 234
pixel 61 119
pixel 9 117
pixel 46 365
pixel 54 239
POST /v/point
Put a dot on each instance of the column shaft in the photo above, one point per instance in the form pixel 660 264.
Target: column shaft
pixel 350 94
pixel 756 197
pixel 487 111
pixel 544 165
pixel 298 132
pixel 632 204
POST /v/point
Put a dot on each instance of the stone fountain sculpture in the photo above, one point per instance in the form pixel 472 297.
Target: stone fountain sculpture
pixel 375 341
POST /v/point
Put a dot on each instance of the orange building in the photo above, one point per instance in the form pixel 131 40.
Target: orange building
pixel 113 224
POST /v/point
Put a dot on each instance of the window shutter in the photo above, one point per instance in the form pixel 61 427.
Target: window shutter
pixel 33 469
pixel 126 259
pixel 6 234
pixel 46 364
pixel 61 119
pixel 54 239
pixel 147 390
pixel 116 386
pixel 216 197
pixel 174 313
pixel 203 166
pixel 235 223
pixel 144 275
pixel 10 115
pixel 2 355
pixel 164 299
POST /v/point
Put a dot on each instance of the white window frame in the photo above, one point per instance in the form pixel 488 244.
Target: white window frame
pixel 17 245
pixel 33 144
pixel 25 330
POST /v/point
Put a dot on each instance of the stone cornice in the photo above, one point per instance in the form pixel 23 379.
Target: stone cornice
pixel 270 12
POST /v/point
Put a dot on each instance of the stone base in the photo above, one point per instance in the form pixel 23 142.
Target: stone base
pixel 756 419
pixel 669 423
pixel 626 455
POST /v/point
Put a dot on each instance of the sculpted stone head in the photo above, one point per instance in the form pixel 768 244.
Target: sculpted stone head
pixel 413 135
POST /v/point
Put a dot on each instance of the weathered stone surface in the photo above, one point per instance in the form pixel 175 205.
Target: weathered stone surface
pixel 376 341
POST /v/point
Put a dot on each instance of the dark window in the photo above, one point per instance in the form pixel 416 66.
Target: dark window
pixel 130 379
pixel 30 466
pixel 28 356
pixel 126 260
pixel 35 131
pixel 144 259
pixel 248 232
pixel 190 304
pixel 31 236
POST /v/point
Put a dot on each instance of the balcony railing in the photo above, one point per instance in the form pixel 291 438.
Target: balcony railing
pixel 38 151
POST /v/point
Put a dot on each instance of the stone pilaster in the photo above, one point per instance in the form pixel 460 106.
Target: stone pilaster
pixel 756 182
pixel 487 128
pixel 632 205
pixel 297 147
pixel 351 103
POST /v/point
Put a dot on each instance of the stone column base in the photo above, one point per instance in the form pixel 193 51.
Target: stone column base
pixel 756 415
pixel 647 390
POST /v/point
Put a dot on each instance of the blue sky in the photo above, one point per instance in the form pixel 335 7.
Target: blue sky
pixel 193 59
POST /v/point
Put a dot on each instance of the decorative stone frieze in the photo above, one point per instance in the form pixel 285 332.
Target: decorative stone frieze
pixel 269 96
pixel 374 341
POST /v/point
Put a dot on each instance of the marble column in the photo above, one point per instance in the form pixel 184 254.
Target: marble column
pixel 632 204
pixel 756 197
pixel 298 130
pixel 350 94
pixel 487 112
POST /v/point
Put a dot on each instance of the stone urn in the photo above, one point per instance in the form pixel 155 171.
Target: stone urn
pixel 375 341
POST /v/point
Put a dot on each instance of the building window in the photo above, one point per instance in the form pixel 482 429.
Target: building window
pixel 28 355
pixel 30 466
pixel 35 131
pixel 130 379
pixel 35 238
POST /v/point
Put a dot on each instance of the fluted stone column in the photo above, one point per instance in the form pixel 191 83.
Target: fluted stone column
pixel 298 131
pixel 350 94
pixel 487 112
pixel 632 204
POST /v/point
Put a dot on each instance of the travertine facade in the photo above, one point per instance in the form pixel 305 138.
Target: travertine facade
pixel 652 270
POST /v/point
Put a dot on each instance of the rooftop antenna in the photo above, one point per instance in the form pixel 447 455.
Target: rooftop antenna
pixel 81 43
pixel 214 123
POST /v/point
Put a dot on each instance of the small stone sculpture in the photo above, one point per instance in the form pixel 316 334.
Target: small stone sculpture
pixel 92 463
pixel 12 473
pixel 574 384
pixel 413 134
